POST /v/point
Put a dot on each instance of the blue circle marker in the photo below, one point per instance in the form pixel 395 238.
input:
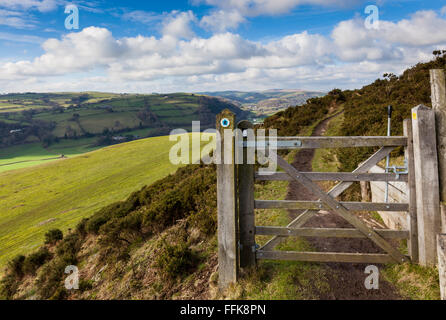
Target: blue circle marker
pixel 225 122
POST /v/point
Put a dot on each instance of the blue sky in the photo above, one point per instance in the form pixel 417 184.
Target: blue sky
pixel 198 45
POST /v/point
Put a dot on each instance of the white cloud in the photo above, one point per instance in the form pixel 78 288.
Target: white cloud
pixel 181 61
pixel 392 41
pixel 424 28
pixel 177 24
pixel 221 20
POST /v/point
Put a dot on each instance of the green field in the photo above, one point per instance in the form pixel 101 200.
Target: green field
pixel 31 154
pixel 59 193
pixel 27 155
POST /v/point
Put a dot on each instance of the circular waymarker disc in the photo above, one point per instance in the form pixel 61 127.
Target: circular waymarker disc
pixel 225 122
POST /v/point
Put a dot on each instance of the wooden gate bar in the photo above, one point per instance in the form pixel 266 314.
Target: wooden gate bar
pixel 325 257
pixel 338 208
pixel 335 176
pixel 412 244
pixel 317 205
pixel 330 142
pixel 329 232
pixel 334 192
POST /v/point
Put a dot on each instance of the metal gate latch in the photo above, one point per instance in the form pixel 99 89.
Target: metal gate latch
pixel 398 170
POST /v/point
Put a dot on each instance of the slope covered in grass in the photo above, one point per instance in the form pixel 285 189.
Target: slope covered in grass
pixel 60 193
pixel 27 155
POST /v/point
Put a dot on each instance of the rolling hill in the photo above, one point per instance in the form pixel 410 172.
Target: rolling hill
pixel 60 193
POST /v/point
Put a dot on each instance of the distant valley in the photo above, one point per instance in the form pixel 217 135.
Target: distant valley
pixel 265 103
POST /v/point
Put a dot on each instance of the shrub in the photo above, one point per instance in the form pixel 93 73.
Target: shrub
pixel 60 294
pixel 15 266
pixel 85 285
pixel 50 278
pixel 35 260
pixel 68 248
pixel 81 227
pixel 8 287
pixel 52 236
pixel 175 260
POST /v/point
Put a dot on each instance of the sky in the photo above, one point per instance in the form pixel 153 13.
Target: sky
pixel 212 45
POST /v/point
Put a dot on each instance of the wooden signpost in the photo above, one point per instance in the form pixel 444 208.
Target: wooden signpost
pixel 226 201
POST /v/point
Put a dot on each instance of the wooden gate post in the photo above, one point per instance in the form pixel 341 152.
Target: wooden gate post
pixel 438 87
pixel 412 215
pixel 226 200
pixel 246 200
pixel 427 184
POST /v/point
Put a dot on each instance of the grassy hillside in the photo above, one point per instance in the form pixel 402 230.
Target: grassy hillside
pixel 58 194
pixel 30 154
pixel 160 243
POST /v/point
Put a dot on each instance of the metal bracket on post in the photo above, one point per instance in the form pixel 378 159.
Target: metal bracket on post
pixel 398 170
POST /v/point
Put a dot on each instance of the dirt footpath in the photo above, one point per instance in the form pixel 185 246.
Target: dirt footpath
pixel 346 280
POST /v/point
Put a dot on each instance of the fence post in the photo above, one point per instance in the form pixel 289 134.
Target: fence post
pixel 226 200
pixel 441 239
pixel 438 96
pixel 411 192
pixel 246 200
pixel 427 184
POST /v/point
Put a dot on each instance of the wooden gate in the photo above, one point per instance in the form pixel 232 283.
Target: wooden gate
pixel 236 203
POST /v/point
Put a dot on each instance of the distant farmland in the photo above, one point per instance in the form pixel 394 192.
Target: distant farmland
pixel 46 118
pixel 93 112
pixel 39 127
